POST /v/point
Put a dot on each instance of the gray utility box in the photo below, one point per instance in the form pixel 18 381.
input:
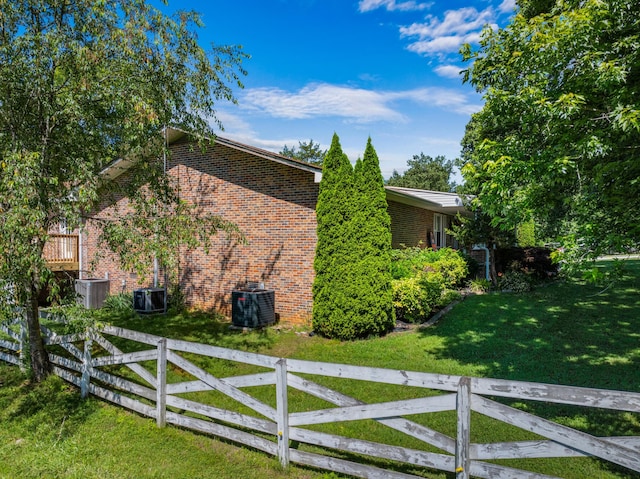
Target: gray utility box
pixel 148 300
pixel 253 308
pixel 92 292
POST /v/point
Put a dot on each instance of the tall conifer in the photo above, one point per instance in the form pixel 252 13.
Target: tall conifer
pixel 333 212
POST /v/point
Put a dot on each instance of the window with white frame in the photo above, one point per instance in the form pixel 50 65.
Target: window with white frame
pixel 438 230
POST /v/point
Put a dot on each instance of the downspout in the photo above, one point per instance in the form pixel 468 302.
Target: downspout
pixel 487 258
pixel 80 252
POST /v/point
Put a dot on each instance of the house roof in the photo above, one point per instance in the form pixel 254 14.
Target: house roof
pixel 173 135
pixel 440 201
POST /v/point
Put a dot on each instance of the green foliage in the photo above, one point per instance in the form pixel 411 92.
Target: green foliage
pixel 447 265
pixel 309 152
pixel 515 281
pixel 415 297
pixel 119 304
pixel 557 136
pixel 526 233
pixel 352 291
pixel 76 95
pixel 425 173
pixel 423 280
pixel 481 285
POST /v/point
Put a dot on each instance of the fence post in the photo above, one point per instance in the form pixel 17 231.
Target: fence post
pixel 463 438
pixel 161 384
pixel 23 341
pixel 282 412
pixel 86 368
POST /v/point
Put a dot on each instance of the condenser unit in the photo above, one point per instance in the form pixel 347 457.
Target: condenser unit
pixel 149 300
pixel 252 308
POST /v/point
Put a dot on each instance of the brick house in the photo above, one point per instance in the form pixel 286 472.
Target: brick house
pixel 272 200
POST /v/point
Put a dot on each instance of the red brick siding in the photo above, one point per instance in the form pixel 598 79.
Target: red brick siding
pixel 409 224
pixel 271 203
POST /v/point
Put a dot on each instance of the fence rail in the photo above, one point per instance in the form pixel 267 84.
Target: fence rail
pixel 79 359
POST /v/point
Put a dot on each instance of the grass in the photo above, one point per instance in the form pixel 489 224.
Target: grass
pixel 566 333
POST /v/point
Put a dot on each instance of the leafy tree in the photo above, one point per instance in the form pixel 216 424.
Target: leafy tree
pixel 309 152
pixel 425 173
pixel 557 138
pixel 82 84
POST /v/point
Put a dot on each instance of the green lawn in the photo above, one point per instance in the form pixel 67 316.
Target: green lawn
pixel 565 333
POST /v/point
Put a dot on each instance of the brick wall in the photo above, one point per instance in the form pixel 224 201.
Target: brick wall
pixel 409 224
pixel 272 204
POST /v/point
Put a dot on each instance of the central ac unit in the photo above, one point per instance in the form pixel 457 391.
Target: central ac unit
pixel 148 300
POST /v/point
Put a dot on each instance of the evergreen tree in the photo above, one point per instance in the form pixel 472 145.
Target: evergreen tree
pixel 352 289
pixel 332 250
pixel 371 225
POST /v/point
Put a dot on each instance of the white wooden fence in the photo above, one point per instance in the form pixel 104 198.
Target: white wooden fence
pixel 275 429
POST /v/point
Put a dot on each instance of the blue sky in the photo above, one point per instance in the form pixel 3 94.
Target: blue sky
pixel 388 69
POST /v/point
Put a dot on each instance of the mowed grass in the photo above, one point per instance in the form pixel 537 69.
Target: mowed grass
pixel 568 332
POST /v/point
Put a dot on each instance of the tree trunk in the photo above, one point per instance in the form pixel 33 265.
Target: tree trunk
pixel 40 365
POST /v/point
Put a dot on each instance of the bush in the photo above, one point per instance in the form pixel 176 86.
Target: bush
pixel 414 298
pixel 449 265
pixel 531 261
pixel 480 285
pixel 448 296
pixel 515 281
pixel 119 303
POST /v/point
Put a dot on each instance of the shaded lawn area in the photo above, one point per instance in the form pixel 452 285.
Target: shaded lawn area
pixel 565 333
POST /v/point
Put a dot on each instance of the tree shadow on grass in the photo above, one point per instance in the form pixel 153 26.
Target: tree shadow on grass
pixel 566 333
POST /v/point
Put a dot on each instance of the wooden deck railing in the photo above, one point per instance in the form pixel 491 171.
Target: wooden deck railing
pixel 62 252
pixel 268 423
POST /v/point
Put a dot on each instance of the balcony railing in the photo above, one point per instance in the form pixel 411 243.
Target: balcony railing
pixel 62 253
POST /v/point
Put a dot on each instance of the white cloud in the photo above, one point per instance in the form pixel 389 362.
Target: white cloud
pixel 316 100
pixel 446 35
pixel 448 71
pixel 392 5
pixel 353 104
pixel 507 6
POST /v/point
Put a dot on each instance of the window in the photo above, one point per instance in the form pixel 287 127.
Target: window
pixel 438 230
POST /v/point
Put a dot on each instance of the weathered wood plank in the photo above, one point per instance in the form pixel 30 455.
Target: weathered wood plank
pixel 75 352
pixel 52 338
pixel 231 417
pixel 249 380
pixel 282 412
pixel 10 332
pixel 617 454
pixel 224 432
pixel 578 396
pixel 541 449
pixel 372 411
pixel 388 376
pixel 463 438
pixel 494 471
pixel 65 362
pixel 357 446
pixel 86 369
pixel 196 348
pixel 9 345
pixel 125 358
pixel 219 385
pixel 109 395
pixel 410 428
pixel 10 358
pixel 144 374
pixel 161 381
pixel 124 384
pixel 346 467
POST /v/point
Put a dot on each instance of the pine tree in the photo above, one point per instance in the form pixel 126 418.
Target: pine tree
pixel 332 250
pixel 352 289
pixel 372 235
